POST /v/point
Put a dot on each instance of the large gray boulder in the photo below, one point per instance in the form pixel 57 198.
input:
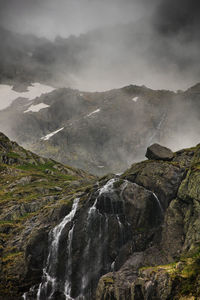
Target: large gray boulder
pixel 159 152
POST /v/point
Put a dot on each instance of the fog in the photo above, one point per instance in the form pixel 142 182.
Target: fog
pixel 50 18
pixel 117 42
pixel 94 45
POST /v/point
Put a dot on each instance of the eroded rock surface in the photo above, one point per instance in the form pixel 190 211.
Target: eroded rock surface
pixel 133 236
pixel 169 268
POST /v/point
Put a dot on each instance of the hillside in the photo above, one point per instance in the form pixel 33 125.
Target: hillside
pixel 106 131
pixel 133 236
pixel 35 194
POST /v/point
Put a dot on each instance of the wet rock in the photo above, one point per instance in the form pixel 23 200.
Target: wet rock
pixel 163 178
pixel 36 251
pixel 58 296
pixel 121 230
pixel 159 152
pixel 112 218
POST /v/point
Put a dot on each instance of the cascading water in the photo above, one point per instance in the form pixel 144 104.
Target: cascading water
pixel 82 251
pixel 100 220
pixel 49 282
pixel 69 265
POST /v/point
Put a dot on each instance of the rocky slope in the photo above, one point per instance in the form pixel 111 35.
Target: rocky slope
pixel 133 236
pixel 35 194
pixel 103 132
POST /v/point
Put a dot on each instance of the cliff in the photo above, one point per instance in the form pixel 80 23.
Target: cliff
pixel 63 234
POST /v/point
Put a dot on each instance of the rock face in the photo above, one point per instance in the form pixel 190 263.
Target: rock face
pixel 98 129
pixel 133 236
pixel 107 131
pixel 32 201
pixel 174 259
pixel 159 152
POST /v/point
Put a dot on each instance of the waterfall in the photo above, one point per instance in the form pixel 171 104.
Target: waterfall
pixel 82 252
pixel 100 240
pixel 49 282
pixel 69 265
pixel 159 204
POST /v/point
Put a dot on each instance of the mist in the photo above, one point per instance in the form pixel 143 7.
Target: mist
pixel 99 45
pixel 48 18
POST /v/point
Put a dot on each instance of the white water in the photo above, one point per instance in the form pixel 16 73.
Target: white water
pixel 93 253
pixel 155 196
pixel 55 235
pixel 69 264
pixel 100 238
pixel 108 187
pixel 119 222
pixel 158 201
pixel 105 189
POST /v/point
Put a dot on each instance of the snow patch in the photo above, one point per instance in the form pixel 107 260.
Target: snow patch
pixel 36 108
pixel 36 90
pixel 8 95
pixel 94 112
pixel 48 136
pixel 135 99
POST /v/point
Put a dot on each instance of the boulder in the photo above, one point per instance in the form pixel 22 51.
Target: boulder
pixel 159 152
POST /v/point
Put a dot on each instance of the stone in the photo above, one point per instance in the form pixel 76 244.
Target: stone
pixel 159 152
pixel 127 239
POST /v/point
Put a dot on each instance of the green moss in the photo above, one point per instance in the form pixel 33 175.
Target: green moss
pixel 108 280
pixel 6 223
pixel 11 257
pixel 169 268
pixel 118 183
pixel 13 155
pixel 185 273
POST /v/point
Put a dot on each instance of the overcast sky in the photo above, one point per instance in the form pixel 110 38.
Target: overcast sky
pixel 64 17
pixel 164 42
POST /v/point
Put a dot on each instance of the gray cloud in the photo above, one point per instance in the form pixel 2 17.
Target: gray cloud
pixel 65 17
pixel 156 43
pixel 178 17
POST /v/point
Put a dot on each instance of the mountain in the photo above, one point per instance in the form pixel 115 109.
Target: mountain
pixel 131 236
pixel 35 194
pixel 103 132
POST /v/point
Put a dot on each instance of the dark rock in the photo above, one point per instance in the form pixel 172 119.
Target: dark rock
pixel 136 244
pixel 159 152
pixel 36 251
pixel 58 296
pixel 162 178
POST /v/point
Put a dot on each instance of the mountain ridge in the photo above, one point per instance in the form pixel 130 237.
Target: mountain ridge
pixel 103 132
